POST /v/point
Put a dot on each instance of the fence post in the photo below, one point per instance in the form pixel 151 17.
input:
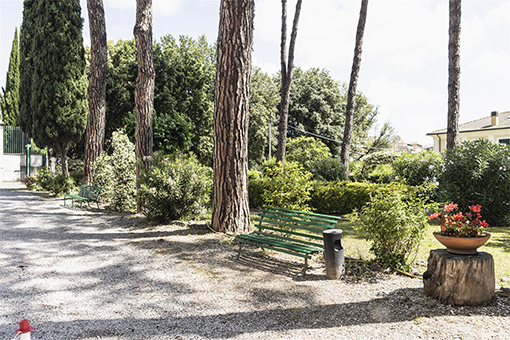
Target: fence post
pixel 1 150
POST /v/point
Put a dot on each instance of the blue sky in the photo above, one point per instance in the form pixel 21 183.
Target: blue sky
pixel 404 69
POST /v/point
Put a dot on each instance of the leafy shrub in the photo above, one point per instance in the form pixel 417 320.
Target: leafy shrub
pixel 478 172
pixel 45 179
pixel 61 184
pixel 30 182
pixel 417 169
pixel 375 167
pixel 383 173
pixel 372 160
pixel 306 151
pixel 256 188
pixel 75 168
pixel 288 189
pixel 340 197
pixel 175 187
pixel 344 197
pixel 54 183
pixel 254 174
pixel 267 167
pixel 394 223
pixel 115 173
pixel 328 169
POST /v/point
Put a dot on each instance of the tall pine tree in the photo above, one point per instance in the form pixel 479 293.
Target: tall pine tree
pixel 9 101
pixel 58 85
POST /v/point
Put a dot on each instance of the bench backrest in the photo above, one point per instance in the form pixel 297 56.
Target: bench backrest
pixel 304 227
pixel 89 191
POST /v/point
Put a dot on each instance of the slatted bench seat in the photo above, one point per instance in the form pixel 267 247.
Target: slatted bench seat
pixel 87 193
pixel 289 231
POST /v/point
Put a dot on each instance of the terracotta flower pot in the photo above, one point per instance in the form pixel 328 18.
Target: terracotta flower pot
pixel 462 245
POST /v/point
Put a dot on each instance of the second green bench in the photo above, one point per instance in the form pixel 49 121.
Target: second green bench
pixel 87 193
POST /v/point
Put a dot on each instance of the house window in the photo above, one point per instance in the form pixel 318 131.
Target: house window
pixel 504 141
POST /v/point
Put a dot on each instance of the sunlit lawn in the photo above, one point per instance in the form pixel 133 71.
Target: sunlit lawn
pixel 498 245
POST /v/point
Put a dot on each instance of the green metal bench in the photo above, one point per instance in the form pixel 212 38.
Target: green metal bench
pixel 87 193
pixel 289 231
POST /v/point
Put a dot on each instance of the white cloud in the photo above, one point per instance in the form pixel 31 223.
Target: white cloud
pixel 496 64
pixel 498 15
pixel 269 68
pixel 121 4
pixel 412 110
pixel 161 7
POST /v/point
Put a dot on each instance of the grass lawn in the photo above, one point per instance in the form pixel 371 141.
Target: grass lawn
pixel 498 245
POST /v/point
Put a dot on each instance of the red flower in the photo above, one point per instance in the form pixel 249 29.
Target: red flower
pixel 458 224
pixel 434 215
pixel 450 207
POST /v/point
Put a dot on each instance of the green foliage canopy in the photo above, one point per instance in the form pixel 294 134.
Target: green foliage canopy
pixel 264 98
pixel 318 104
pixel 478 172
pixel 9 101
pixel 57 111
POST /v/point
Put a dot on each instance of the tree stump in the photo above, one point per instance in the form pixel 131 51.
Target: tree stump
pixel 466 280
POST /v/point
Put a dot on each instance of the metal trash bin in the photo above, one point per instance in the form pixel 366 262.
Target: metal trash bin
pixel 334 253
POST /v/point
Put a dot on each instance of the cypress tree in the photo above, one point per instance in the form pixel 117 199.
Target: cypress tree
pixel 58 95
pixel 26 65
pixel 10 100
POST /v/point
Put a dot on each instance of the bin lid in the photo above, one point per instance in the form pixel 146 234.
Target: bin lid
pixel 332 231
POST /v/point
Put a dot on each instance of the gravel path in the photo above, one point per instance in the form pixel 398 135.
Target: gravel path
pixel 93 275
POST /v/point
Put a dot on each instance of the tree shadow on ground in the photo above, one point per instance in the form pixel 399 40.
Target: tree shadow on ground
pixel 391 308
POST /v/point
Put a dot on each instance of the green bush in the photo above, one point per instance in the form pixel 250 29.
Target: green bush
pixel 478 172
pixel 288 189
pixel 340 197
pixel 175 187
pixel 75 167
pixel 44 179
pixel 30 182
pixel 306 151
pixel 374 168
pixel 417 169
pixel 344 197
pixel 256 188
pixel 394 223
pixel 328 169
pixel 54 183
pixel 115 173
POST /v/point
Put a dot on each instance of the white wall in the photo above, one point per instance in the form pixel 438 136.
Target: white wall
pixel 11 168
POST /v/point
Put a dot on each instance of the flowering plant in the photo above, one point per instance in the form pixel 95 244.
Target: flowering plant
pixel 30 181
pixel 455 223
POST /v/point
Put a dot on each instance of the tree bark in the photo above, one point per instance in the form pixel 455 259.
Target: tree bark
pixel 353 83
pixel 286 73
pixel 452 134
pixel 94 139
pixel 466 280
pixel 144 90
pixel 230 210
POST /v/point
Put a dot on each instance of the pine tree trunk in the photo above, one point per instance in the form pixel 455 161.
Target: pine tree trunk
pixel 452 134
pixel 230 210
pixel 97 88
pixel 286 72
pixel 144 89
pixel 353 83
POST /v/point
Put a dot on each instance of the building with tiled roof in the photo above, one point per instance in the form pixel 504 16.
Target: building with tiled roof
pixel 495 128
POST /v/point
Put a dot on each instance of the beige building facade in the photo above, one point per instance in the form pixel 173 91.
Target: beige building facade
pixel 495 128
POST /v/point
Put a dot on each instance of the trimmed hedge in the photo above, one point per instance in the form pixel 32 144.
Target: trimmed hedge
pixel 330 197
